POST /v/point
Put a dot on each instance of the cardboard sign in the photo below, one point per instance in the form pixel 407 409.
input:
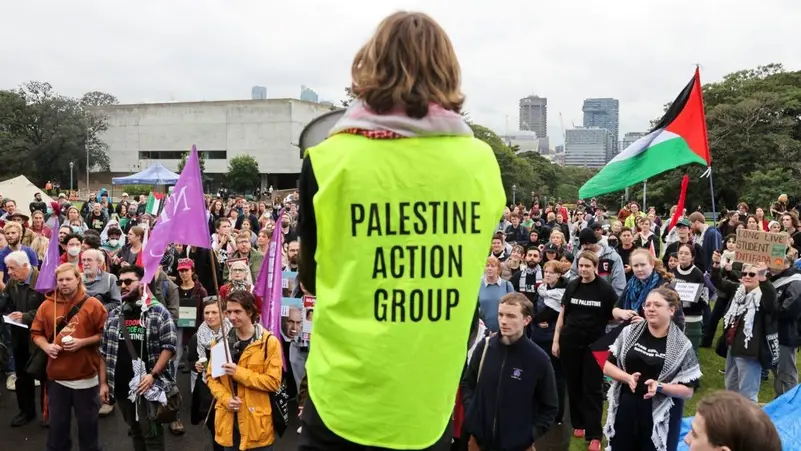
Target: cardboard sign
pixel 187 316
pixel 755 247
pixel 688 292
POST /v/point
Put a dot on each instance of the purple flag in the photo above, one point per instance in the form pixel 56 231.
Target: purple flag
pixel 47 275
pixel 183 218
pixel 268 284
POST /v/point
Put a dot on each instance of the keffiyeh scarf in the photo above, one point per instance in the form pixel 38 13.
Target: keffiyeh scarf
pixel 744 304
pixel 681 366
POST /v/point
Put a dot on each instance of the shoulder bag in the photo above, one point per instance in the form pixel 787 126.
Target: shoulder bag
pixel 36 366
pixel 164 413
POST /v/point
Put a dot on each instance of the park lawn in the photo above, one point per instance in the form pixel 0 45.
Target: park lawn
pixel 711 381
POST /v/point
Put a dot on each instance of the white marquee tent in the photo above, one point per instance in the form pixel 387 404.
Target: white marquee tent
pixel 21 190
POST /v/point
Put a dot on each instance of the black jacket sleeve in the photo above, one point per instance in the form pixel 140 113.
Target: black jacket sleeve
pixel 307 227
pixel 790 308
pixel 470 378
pixel 546 403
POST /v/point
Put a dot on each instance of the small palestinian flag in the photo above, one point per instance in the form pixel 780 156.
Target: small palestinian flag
pixel 600 349
pixel 679 138
pixel 154 203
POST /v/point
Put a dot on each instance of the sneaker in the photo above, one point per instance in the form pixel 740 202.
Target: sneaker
pixel 11 382
pixel 595 445
pixel 21 420
pixel 177 428
pixel 578 433
pixel 37 383
pixel 106 410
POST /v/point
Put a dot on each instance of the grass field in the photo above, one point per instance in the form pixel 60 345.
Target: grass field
pixel 711 381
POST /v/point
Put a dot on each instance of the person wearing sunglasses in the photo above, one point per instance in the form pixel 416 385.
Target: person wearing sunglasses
pixel 750 327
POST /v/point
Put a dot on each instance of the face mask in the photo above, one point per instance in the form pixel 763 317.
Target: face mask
pixel 74 251
pixel 49 211
pixel 76 229
pixel 113 243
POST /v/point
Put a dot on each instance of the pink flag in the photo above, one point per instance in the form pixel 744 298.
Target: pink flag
pixel 183 219
pixel 268 284
pixel 47 275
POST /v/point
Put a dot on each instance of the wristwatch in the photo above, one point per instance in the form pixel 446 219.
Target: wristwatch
pixel 659 387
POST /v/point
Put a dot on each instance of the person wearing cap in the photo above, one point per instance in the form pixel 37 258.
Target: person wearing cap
pixel 610 266
pixel 598 229
pixel 23 219
pixel 551 252
pixel 683 234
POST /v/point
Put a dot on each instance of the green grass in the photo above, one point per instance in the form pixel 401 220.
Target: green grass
pixel 711 381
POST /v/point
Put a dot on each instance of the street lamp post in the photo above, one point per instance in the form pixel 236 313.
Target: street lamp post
pixel 514 194
pixel 72 165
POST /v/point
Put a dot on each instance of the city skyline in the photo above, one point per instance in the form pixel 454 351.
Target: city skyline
pixel 219 51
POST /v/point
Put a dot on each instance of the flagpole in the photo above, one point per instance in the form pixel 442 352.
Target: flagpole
pixel 712 193
pixel 222 312
pixel 644 195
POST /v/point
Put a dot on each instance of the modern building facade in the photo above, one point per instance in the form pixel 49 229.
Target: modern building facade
pixel 587 147
pixel 629 139
pixel 258 93
pixel 525 141
pixel 268 130
pixel 308 95
pixel 534 115
pixel 604 113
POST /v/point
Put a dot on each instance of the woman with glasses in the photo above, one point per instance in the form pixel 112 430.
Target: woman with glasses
pixel 239 279
pixel 750 326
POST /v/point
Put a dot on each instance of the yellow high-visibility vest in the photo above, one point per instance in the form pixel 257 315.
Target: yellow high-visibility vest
pixel 403 231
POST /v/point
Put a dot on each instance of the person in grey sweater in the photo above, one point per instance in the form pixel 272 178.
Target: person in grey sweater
pixel 610 266
pixel 100 284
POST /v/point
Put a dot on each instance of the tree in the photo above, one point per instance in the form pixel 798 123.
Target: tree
pixel 243 174
pixel 201 162
pixel 41 132
pixel 349 97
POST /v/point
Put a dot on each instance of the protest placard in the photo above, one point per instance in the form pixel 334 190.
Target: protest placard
pixel 688 292
pixel 755 247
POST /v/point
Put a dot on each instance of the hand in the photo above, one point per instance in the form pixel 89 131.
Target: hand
pixel 145 383
pixel 636 319
pixel 104 396
pixel 652 386
pixel 16 316
pixel 199 367
pixel 52 350
pixel 234 404
pixel 716 257
pixel 543 325
pixel 626 315
pixel 115 260
pixel 728 266
pixel 300 411
pixel 125 264
pixel 627 268
pixel 74 345
pixel 555 349
pixel 633 378
pixel 230 368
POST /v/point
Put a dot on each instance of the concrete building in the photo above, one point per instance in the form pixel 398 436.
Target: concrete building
pixel 266 129
pixel 258 93
pixel 629 139
pixel 587 147
pixel 534 115
pixel 526 141
pixel 604 113
pixel 308 95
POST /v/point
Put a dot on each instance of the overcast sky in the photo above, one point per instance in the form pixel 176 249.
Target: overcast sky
pixel 640 52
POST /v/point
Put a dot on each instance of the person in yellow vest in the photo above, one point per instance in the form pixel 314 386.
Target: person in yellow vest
pixel 397 210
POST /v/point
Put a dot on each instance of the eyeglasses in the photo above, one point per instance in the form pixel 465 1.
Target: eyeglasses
pixel 121 282
pixel 749 274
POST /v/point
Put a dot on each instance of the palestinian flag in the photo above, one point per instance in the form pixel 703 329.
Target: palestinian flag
pixel 154 203
pixel 679 138
pixel 600 349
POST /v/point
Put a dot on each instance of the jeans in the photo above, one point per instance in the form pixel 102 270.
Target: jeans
pixel 7 341
pixel 743 375
pixel 141 442
pixel 61 401
pixel 785 375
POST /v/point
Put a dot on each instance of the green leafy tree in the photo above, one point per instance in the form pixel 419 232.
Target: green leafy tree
pixel 349 97
pixel 243 173
pixel 41 132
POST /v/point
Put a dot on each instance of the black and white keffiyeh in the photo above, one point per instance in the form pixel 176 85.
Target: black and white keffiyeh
pixel 524 273
pixel 744 303
pixel 551 298
pixel 681 366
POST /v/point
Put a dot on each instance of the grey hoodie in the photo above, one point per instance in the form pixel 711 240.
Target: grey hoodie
pixel 610 268
pixel 105 289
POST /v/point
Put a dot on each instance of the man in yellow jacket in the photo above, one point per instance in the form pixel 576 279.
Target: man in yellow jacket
pixel 243 412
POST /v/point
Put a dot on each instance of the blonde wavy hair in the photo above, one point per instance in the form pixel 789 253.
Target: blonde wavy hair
pixel 407 64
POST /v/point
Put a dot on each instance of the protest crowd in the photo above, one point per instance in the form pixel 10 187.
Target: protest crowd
pixel 440 325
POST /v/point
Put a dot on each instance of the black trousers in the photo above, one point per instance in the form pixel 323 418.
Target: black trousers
pixel 61 401
pixel 634 423
pixel 718 311
pixel 584 381
pixel 142 440
pixel 559 374
pixel 315 436
pixel 26 384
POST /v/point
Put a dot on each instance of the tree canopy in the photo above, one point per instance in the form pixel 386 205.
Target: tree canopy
pixel 42 131
pixel 243 174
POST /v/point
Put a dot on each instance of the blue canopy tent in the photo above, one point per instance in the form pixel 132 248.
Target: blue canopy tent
pixel 155 174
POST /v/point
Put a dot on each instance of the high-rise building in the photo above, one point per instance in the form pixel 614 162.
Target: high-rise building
pixel 308 95
pixel 629 139
pixel 534 115
pixel 604 113
pixel 258 93
pixel 587 147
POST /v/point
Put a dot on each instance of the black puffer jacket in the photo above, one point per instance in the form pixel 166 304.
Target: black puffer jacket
pixel 788 295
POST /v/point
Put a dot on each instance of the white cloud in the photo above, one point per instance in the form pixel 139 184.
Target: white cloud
pixel 637 51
